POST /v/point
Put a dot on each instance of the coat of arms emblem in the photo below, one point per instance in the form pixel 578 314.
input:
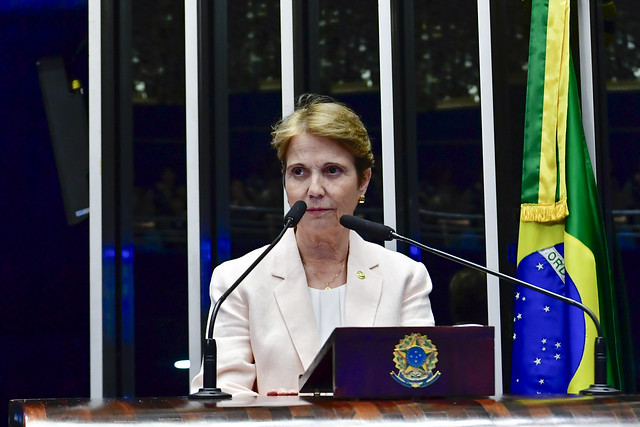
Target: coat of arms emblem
pixel 415 357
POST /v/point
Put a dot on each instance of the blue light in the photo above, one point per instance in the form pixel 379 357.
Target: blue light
pixel 109 253
pixel 224 248
pixel 205 250
pixel 127 254
pixel 205 272
pixel 415 253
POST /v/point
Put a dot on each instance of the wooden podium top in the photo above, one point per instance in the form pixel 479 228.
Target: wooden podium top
pixel 578 410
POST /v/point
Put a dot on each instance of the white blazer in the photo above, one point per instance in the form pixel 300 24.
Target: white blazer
pixel 266 331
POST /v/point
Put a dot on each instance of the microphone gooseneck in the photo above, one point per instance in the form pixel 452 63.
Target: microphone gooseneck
pixel 291 219
pixel 209 366
pixel 381 231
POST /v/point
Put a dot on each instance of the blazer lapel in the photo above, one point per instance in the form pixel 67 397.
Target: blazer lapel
pixel 294 302
pixel 364 284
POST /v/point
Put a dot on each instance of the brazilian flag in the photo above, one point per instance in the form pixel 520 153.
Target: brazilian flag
pixel 561 243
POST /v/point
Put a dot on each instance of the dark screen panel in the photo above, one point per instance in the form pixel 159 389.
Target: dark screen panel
pixel 68 127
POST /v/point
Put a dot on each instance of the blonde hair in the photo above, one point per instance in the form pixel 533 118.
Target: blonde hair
pixel 324 117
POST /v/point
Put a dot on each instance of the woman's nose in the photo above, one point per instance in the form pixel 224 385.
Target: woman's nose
pixel 316 186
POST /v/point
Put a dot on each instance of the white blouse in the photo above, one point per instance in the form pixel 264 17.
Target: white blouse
pixel 328 307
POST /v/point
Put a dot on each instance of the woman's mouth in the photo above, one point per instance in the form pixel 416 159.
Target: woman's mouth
pixel 317 210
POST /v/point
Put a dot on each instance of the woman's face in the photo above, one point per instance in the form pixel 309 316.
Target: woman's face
pixel 323 174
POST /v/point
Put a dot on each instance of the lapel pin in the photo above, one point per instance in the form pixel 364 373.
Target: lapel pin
pixel 360 274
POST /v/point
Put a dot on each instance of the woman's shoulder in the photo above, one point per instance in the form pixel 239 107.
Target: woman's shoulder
pixel 241 263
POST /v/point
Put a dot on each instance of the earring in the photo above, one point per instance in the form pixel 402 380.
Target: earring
pixel 361 199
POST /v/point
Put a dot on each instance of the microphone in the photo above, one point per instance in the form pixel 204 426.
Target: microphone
pixel 381 231
pixel 293 217
pixel 370 228
pixel 210 358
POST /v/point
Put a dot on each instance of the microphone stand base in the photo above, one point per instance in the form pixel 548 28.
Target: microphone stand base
pixel 600 390
pixel 210 393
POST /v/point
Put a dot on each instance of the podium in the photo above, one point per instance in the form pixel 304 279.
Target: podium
pixel 403 362
pixel 354 363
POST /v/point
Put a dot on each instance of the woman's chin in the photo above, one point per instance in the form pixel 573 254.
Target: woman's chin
pixel 319 224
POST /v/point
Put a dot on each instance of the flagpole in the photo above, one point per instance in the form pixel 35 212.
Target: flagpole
pixel 586 79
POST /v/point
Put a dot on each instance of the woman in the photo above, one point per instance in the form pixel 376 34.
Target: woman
pixel 320 275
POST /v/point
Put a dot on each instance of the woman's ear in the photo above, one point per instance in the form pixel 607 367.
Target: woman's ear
pixel 365 179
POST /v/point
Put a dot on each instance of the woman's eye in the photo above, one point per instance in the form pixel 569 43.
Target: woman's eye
pixel 297 171
pixel 333 170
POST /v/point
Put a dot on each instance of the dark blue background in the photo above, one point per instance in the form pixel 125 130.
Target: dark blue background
pixel 44 277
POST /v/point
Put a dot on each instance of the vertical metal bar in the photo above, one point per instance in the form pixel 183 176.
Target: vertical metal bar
pixel 586 78
pixel 489 172
pixel 193 181
pixel 95 201
pixel 387 119
pixel 286 60
pixel 404 70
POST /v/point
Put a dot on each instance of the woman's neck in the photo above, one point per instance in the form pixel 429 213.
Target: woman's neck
pixel 323 247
